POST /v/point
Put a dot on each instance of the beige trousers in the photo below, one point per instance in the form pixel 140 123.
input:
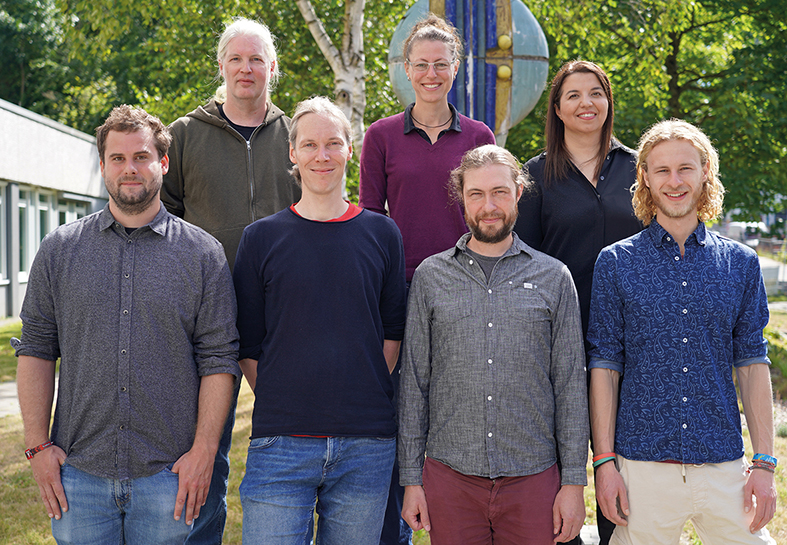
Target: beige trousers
pixel 660 503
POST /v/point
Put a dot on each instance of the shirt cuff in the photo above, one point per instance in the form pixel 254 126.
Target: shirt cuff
pixel 411 476
pixel 573 476
pixel 600 363
pixel 745 362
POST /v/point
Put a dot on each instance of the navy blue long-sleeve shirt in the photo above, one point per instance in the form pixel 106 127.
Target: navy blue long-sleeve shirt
pixel 316 301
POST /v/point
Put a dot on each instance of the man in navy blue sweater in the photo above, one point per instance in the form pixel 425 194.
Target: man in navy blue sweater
pixel 322 304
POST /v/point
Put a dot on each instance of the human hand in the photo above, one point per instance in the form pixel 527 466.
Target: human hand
pixel 46 471
pixel 414 510
pixel 611 494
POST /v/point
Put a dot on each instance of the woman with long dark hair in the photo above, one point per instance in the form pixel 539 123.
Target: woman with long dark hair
pixel 580 199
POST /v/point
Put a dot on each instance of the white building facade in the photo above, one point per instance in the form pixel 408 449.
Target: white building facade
pixel 49 175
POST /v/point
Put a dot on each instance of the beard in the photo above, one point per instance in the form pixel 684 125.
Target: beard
pixel 134 202
pixel 492 235
pixel 674 210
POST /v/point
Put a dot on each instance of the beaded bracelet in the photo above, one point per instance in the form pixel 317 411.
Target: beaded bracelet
pixel 759 465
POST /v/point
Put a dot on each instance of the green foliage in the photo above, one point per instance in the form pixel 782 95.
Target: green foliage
pixel 716 63
pixel 777 352
pixel 7 357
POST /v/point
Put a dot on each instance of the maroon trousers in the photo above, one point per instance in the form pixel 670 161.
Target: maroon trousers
pixel 470 510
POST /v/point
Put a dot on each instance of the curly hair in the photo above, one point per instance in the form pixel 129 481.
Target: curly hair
pixel 711 200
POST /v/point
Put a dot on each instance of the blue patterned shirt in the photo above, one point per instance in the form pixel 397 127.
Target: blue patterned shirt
pixel 674 327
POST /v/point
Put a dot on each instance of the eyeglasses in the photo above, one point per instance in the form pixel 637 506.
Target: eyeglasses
pixel 440 66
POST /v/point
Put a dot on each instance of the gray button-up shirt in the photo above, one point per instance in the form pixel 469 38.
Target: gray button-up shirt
pixel 493 373
pixel 136 319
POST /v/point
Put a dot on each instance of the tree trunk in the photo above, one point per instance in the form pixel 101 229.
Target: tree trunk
pixel 347 64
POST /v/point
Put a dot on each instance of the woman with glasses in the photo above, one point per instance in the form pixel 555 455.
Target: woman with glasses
pixel 407 158
pixel 580 201
pixel 406 163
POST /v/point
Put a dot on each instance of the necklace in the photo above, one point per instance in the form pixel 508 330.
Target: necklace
pixel 432 126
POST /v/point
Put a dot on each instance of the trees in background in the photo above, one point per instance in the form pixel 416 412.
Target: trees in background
pixel 716 63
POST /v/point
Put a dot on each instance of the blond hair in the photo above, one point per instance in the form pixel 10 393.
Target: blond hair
pixel 711 200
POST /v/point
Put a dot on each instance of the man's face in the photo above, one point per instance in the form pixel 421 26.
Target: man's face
pixel 321 153
pixel 675 177
pixel 246 69
pixel 132 170
pixel 490 198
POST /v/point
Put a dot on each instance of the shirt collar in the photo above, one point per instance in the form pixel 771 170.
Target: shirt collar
pixel 658 234
pixel 159 223
pixel 517 247
pixel 410 126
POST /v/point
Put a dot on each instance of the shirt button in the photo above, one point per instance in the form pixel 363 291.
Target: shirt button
pixel 685 340
pixel 125 312
pixel 489 361
pixel 489 434
pixel 126 275
pixel 669 239
pixel 685 310
pixel 685 369
pixel 122 427
pixel 685 426
pixel 471 261
pixel 685 284
pixel 129 242
pixel 122 388
pixel 489 398
pixel 601 177
pixel 490 291
pixel 489 324
pixel 677 258
pixel 685 399
pixel 123 351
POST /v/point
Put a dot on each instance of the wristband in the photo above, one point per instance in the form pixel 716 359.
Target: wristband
pixel 771 469
pixel 602 461
pixel 606 455
pixel 29 453
pixel 765 458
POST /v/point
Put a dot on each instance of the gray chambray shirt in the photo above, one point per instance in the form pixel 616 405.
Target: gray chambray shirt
pixel 136 320
pixel 493 373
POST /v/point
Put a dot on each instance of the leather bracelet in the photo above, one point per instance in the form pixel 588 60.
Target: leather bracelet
pixel 766 468
pixel 29 453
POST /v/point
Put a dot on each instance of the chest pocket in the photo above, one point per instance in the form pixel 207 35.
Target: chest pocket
pixel 524 304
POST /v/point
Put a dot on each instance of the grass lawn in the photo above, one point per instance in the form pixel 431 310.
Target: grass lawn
pixel 23 520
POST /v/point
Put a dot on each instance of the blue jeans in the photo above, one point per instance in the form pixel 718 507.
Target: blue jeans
pixel 347 477
pixel 112 512
pixel 209 526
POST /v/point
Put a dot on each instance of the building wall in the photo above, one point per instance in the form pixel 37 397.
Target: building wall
pixel 49 175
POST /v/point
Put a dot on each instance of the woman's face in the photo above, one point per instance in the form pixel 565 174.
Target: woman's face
pixel 431 70
pixel 583 104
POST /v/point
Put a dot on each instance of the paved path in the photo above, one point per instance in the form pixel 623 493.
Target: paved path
pixel 8 402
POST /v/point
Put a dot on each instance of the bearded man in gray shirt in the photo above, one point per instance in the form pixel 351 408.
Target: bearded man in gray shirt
pixel 139 307
pixel 493 386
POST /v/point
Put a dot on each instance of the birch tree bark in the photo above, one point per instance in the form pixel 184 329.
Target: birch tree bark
pixel 347 63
